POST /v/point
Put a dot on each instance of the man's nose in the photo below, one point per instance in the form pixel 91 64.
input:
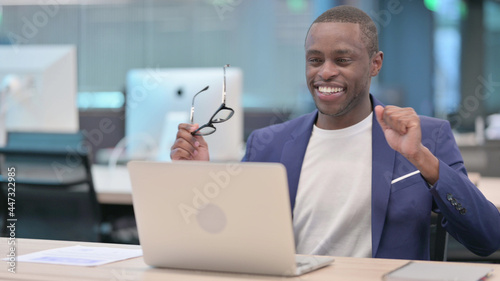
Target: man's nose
pixel 328 71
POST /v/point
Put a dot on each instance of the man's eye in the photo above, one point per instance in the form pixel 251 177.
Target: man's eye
pixel 314 60
pixel 343 60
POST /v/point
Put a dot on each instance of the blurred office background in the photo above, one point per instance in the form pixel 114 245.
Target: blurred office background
pixel 441 57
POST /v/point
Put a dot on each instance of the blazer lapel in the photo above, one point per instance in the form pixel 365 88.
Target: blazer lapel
pixel 294 151
pixel 383 157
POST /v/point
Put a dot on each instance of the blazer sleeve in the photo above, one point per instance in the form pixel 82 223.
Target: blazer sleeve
pixel 467 215
pixel 249 148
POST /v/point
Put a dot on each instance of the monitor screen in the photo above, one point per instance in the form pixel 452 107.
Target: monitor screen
pixel 39 87
pixel 159 99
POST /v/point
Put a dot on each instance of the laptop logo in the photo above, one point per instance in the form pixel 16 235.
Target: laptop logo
pixel 209 216
pixel 212 218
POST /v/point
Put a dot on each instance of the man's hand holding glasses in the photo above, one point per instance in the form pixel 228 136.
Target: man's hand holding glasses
pixel 189 143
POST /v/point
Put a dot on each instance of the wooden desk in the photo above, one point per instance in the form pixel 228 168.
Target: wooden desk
pixel 355 269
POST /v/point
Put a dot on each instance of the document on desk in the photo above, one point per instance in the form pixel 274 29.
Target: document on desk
pixel 425 271
pixel 81 255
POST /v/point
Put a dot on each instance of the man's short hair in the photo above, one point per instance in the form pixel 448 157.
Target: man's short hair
pixel 351 14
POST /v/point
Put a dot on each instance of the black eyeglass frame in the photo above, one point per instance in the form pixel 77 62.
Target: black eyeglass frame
pixel 213 119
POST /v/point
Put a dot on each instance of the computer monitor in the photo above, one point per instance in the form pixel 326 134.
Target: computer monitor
pixel 39 87
pixel 159 99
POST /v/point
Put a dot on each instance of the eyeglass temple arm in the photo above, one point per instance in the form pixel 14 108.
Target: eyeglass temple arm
pixel 224 85
pixel 191 118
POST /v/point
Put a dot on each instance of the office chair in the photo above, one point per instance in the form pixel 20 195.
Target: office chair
pixel 439 239
pixel 54 192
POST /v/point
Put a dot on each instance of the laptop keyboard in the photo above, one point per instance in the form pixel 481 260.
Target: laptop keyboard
pixel 301 264
pixel 302 261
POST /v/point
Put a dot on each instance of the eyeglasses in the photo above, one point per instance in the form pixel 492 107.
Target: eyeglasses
pixel 222 114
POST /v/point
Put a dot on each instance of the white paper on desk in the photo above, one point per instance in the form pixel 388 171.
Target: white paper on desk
pixel 81 255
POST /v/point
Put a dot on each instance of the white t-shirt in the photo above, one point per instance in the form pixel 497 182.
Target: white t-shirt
pixel 332 214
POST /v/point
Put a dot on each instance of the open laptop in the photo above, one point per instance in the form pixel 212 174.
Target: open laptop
pixel 232 217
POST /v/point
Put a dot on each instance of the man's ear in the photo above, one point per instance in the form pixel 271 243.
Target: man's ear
pixel 376 64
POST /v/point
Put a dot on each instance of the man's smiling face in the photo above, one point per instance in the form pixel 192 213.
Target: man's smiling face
pixel 339 70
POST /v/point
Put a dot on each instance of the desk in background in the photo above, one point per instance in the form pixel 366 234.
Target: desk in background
pixel 490 187
pixel 355 269
pixel 113 186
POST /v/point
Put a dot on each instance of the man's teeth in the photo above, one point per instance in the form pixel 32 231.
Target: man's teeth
pixel 330 90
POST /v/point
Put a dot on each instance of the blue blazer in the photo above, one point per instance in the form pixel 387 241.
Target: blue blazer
pixel 401 211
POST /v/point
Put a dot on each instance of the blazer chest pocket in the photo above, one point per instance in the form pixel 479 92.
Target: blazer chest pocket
pixel 407 182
